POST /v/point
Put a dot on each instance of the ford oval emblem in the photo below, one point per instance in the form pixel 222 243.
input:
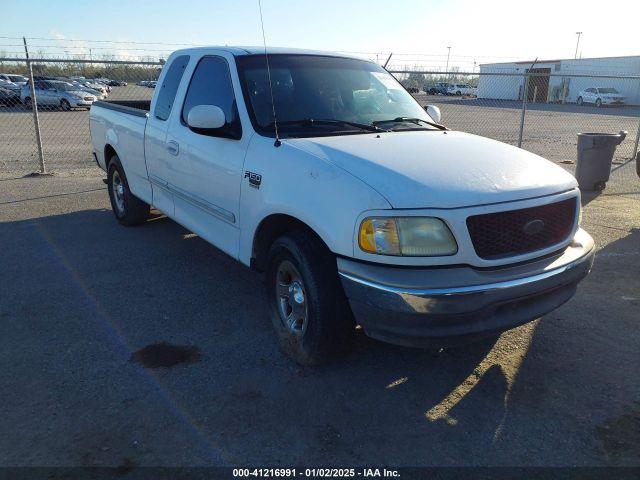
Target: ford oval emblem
pixel 533 227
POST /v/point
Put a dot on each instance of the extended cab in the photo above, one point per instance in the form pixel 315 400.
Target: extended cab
pixel 357 204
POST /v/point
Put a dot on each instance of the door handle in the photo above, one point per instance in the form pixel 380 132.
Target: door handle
pixel 173 147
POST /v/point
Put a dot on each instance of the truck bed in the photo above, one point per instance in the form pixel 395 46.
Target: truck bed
pixel 139 108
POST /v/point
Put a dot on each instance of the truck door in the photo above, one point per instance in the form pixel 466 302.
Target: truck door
pixel 207 187
pixel 160 155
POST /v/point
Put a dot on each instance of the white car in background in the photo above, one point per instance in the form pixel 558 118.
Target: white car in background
pixel 81 86
pixel 9 85
pixel 13 78
pixel 600 96
pixel 94 85
pixel 462 89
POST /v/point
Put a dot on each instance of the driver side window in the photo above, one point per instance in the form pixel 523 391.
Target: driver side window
pixel 211 85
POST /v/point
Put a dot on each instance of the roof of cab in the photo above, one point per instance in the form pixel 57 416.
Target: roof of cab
pixel 243 51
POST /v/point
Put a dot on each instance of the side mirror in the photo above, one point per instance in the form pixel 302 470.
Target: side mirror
pixel 206 117
pixel 433 112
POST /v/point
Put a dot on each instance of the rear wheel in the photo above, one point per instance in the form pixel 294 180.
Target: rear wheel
pixel 598 103
pixel 580 101
pixel 27 103
pixel 65 105
pixel 128 209
pixel 308 307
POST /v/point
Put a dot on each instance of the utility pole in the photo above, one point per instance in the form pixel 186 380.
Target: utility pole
pixel 34 107
pixel 577 43
pixel 446 69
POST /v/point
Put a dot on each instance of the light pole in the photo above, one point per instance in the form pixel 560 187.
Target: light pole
pixel 577 43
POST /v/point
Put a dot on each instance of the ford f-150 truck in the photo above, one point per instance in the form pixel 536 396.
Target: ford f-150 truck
pixel 357 204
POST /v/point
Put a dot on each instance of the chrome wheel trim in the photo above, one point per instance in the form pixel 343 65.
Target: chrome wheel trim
pixel 291 298
pixel 117 186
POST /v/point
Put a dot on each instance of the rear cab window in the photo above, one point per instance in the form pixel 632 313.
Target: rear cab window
pixel 169 87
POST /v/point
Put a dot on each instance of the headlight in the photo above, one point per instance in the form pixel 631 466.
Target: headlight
pixel 406 236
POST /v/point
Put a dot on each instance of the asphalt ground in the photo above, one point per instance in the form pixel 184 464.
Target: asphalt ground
pixel 80 295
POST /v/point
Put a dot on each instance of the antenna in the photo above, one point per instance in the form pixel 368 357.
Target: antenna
pixel 277 143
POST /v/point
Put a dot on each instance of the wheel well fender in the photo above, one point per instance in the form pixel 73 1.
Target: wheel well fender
pixel 269 229
pixel 109 152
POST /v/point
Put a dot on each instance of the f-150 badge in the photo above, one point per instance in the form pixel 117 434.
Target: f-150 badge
pixel 255 179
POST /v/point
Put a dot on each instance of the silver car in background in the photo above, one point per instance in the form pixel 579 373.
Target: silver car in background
pixel 54 93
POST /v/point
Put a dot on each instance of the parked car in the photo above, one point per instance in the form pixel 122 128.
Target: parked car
pixel 600 96
pixel 142 83
pixel 55 93
pixel 462 89
pixel 8 85
pixel 358 205
pixel 100 87
pixel 13 78
pixel 152 84
pixel 100 95
pixel 9 97
pixel 440 88
pixel 105 82
pixel 117 83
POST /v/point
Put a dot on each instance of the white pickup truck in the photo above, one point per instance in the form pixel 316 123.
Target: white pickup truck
pixel 358 206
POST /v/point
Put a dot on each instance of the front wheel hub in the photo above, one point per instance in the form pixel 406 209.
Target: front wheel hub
pixel 291 298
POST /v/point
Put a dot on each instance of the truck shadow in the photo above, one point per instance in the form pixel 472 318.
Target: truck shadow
pixel 133 287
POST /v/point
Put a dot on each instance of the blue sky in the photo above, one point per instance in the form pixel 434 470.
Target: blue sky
pixel 481 30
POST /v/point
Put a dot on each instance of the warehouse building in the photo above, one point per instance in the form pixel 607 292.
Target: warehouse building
pixel 551 83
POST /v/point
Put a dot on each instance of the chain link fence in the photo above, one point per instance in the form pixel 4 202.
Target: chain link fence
pixel 540 113
pixel 63 125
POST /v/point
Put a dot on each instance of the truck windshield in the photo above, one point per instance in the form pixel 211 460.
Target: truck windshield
pixel 318 95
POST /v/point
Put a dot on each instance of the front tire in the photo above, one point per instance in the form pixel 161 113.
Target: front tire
pixel 128 209
pixel 598 103
pixel 27 103
pixel 580 101
pixel 308 308
pixel 65 105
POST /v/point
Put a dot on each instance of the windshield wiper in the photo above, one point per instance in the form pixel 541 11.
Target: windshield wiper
pixel 417 121
pixel 310 122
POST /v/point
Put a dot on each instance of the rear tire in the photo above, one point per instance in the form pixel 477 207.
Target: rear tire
pixel 308 308
pixel 580 101
pixel 65 105
pixel 598 103
pixel 128 209
pixel 27 103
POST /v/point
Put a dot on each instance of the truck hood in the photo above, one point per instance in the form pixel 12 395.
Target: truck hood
pixel 436 169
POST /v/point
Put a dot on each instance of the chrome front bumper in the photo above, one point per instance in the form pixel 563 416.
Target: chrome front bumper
pixel 419 306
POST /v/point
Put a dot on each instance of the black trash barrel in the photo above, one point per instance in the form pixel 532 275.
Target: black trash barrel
pixel 595 153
